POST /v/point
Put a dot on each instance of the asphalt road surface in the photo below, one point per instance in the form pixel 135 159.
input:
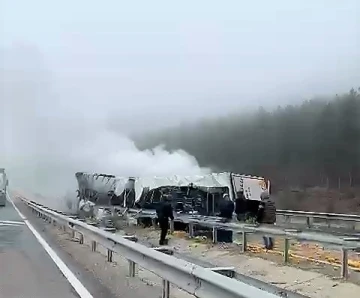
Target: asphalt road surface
pixel 31 266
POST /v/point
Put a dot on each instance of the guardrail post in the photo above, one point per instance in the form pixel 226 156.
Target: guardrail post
pixel 286 249
pixel 109 255
pixel 344 263
pixel 165 289
pixel 214 234
pixel 72 233
pixel 153 221
pixel 93 245
pixel 172 228
pixel 308 223
pixel 191 229
pixel 328 222
pixel 131 268
pixel 244 242
pixel 287 218
pixel 81 239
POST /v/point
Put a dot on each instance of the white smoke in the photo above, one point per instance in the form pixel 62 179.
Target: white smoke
pixel 48 134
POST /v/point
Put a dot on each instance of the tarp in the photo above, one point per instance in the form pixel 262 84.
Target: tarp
pixel 206 181
pixel 252 186
pixel 99 183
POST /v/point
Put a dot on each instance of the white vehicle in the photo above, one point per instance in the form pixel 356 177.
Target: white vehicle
pixel 202 193
pixel 2 198
pixel 3 186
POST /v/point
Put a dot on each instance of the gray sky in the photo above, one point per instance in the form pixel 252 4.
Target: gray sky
pixel 73 70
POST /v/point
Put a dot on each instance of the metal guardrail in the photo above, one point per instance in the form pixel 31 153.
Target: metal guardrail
pixel 338 216
pixel 328 217
pixel 309 214
pixel 193 279
pixel 344 243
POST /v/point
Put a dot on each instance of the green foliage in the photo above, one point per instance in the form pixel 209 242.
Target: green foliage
pixel 315 143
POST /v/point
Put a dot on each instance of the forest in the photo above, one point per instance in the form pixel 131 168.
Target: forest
pixel 314 144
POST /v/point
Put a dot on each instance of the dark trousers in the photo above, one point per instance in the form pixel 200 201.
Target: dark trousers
pixel 164 227
pixel 268 242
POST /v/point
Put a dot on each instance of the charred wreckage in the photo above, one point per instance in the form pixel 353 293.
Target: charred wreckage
pixel 199 194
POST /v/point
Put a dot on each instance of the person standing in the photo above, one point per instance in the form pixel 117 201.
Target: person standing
pixel 240 206
pixel 226 212
pixel 263 217
pixel 164 212
pixel 226 207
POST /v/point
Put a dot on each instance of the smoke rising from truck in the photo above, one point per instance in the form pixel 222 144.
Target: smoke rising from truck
pixel 48 134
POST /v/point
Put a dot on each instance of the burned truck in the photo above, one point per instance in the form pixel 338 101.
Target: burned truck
pixel 103 189
pixel 201 194
pixel 3 187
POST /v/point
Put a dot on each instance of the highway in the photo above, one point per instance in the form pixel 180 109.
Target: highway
pixel 32 266
pixel 38 259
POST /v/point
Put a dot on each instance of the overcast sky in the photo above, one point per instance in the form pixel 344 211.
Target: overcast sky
pixel 73 68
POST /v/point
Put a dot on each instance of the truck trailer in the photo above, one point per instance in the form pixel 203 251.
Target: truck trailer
pixel 200 194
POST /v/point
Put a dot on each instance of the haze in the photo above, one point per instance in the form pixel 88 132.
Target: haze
pixel 77 76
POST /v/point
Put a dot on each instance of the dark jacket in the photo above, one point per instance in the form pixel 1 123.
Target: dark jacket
pixel 266 212
pixel 260 212
pixel 164 211
pixel 226 209
pixel 240 204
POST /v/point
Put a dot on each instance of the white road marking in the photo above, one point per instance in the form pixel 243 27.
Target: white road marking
pixel 11 222
pixel 72 279
pixel 8 225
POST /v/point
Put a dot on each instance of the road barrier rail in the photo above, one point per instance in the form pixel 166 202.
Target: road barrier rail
pixel 308 215
pixel 349 219
pixel 344 243
pixel 196 280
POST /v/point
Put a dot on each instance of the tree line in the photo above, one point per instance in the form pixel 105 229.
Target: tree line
pixel 316 143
